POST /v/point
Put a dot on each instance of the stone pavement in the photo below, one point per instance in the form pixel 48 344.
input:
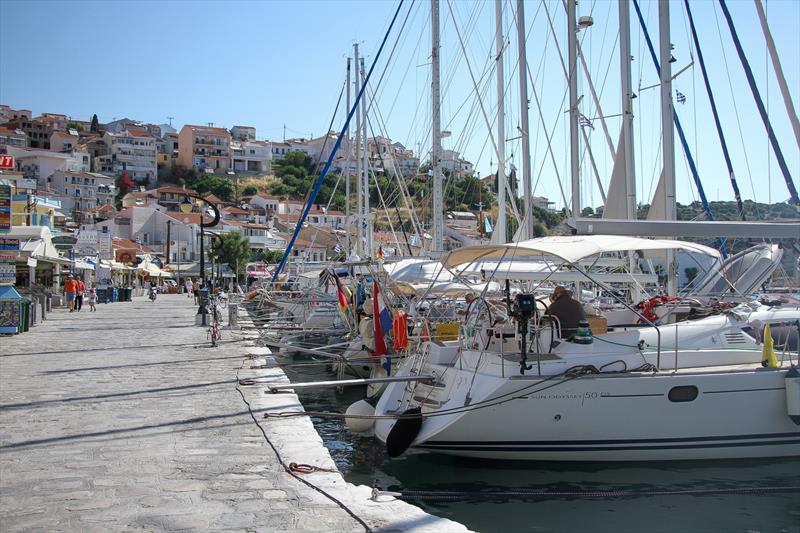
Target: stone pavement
pixel 127 420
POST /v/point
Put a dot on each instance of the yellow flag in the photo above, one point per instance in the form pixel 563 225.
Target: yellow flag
pixel 768 358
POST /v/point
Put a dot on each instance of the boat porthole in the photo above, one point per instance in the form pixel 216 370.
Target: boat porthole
pixel 557 418
pixel 686 393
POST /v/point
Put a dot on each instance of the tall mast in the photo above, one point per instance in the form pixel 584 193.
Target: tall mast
pixel 627 109
pixel 437 246
pixel 357 139
pixel 348 154
pixel 527 219
pixel 499 234
pixel 572 28
pixel 776 65
pixel 367 228
pixel 667 133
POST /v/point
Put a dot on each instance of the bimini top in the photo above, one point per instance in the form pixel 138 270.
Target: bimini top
pixel 569 248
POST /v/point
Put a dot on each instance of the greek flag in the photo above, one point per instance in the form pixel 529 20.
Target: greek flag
pixel 680 97
pixel 583 121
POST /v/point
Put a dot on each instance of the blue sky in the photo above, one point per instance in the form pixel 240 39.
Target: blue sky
pixel 272 63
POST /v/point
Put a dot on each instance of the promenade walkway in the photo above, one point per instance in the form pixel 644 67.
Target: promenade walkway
pixel 127 419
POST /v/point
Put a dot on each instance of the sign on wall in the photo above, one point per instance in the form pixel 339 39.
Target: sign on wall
pixel 5 208
pixel 9 245
pixel 7 161
pixel 8 269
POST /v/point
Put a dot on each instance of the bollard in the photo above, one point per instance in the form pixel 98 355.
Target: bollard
pixel 233 316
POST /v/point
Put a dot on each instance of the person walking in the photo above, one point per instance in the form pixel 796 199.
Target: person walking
pixel 71 290
pixel 189 287
pixel 79 295
pixel 92 299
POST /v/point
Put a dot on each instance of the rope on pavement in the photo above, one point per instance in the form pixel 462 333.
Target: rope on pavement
pixel 294 472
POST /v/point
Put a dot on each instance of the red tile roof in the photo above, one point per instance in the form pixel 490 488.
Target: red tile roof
pixel 174 189
pixel 7 131
pixel 140 133
pixel 194 218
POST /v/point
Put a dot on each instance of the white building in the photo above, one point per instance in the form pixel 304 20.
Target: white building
pixel 81 191
pixel 131 151
pixel 279 149
pixel 251 157
pixel 243 133
pixel 455 164
pixel 40 164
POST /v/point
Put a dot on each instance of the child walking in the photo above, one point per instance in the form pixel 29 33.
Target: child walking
pixel 92 300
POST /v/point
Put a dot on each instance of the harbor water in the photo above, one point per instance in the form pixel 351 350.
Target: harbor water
pixel 715 496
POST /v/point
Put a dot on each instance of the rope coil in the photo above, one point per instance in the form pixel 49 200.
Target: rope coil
pixel 302 468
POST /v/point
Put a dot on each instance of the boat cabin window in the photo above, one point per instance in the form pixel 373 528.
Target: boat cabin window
pixel 686 393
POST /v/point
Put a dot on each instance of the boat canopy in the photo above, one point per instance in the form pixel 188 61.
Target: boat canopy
pixel 418 271
pixel 569 248
pixel 449 288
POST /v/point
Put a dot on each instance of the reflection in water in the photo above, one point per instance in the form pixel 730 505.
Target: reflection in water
pixel 363 460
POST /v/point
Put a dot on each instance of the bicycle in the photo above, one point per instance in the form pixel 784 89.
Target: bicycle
pixel 214 333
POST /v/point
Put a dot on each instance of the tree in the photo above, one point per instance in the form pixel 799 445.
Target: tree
pixel 267 256
pixel 219 187
pixel 250 190
pixel 232 248
pixel 125 183
pixel 95 126
pixel 691 273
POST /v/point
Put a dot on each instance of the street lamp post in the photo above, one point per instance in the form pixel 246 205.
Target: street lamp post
pixel 187 206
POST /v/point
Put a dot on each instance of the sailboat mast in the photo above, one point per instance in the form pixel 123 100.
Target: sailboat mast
pixel 367 225
pixel 357 139
pixel 527 219
pixel 572 46
pixel 667 134
pixel 437 246
pixel 499 234
pixel 627 109
pixel 776 65
pixel 349 152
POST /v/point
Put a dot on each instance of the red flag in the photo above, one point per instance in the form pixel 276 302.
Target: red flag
pixel 380 342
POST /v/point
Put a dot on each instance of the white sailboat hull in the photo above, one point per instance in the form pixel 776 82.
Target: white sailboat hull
pixel 739 411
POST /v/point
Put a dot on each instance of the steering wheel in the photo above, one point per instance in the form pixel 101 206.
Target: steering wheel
pixel 546 307
pixel 477 308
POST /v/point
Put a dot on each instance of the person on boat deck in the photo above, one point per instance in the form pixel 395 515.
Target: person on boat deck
pixel 568 311
pixel 366 328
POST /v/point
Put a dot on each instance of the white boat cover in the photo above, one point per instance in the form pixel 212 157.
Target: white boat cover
pixel 569 248
pixel 418 271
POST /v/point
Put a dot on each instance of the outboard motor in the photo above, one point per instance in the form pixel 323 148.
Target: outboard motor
pixel 522 309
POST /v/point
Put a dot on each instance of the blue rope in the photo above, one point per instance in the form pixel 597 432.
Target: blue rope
pixel 335 149
pixel 737 195
pixel 760 104
pixel 684 143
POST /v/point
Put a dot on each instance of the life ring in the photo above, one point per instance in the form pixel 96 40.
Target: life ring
pixel 400 327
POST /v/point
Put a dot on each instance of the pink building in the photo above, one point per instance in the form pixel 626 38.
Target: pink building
pixel 204 147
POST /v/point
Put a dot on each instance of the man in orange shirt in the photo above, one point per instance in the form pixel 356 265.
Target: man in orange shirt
pixel 71 290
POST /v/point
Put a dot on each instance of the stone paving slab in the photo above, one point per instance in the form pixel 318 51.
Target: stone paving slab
pixel 127 420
